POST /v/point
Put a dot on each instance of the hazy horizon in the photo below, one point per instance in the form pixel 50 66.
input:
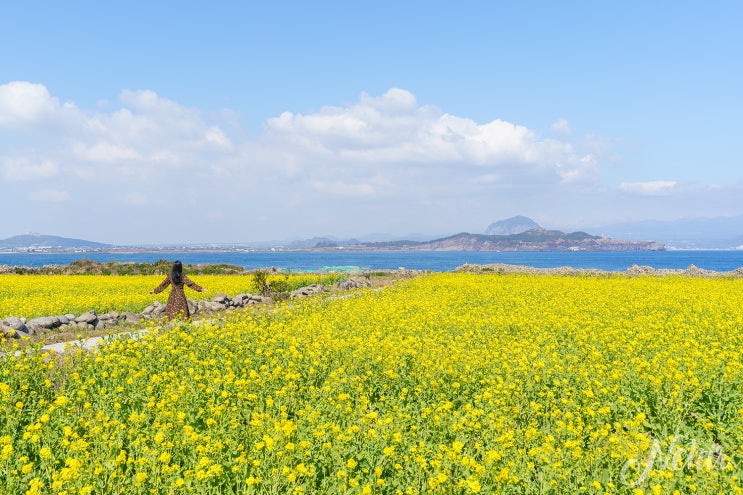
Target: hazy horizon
pixel 246 122
pixel 690 233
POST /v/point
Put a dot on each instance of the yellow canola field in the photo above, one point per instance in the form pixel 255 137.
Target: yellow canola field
pixel 30 296
pixel 449 383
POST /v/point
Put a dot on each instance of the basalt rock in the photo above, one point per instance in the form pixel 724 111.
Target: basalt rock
pixel 212 306
pixel 154 309
pixel 129 317
pixel 14 327
pixel 45 322
pixel 14 322
pixel 90 318
pixel 223 299
pixel 309 290
pixel 354 283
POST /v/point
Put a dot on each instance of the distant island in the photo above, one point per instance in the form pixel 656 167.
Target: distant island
pixel 512 234
pixel 538 239
pixel 517 233
pixel 33 243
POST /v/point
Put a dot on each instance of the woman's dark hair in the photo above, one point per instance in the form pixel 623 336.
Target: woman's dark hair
pixel 177 274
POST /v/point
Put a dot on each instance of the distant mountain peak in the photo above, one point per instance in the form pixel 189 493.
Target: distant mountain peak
pixel 513 225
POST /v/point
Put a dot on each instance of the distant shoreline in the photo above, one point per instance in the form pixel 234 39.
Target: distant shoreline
pixel 343 249
pixel 116 267
pixel 314 260
pixel 123 250
pixel 339 249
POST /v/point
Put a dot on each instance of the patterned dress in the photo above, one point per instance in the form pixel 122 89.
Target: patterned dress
pixel 177 305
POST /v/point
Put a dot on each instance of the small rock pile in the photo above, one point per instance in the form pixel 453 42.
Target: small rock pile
pixel 15 327
pixel 307 291
pixel 354 283
pixel 219 302
pixel 314 289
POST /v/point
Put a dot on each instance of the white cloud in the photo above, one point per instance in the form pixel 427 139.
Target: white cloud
pixel 49 195
pixel 104 152
pixel 498 142
pixel 561 126
pixel 216 138
pixel 145 100
pixel 22 103
pixel 140 139
pixel 392 130
pixel 651 188
pixel 394 100
pixel 27 106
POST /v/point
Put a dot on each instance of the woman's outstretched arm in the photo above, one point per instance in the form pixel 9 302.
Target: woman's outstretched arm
pixel 192 284
pixel 161 287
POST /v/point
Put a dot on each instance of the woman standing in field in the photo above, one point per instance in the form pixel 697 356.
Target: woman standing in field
pixel 177 305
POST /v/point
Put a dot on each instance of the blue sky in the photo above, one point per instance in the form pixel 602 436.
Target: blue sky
pixel 149 122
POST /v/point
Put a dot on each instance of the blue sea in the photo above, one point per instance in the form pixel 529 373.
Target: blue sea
pixel 435 261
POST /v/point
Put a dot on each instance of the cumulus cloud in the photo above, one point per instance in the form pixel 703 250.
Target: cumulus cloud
pixel 561 126
pixel 144 129
pixel 650 188
pixel 216 138
pixel 104 152
pixel 393 129
pixel 29 106
pixel 22 103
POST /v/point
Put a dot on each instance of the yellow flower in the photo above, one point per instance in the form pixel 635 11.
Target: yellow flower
pixel 35 487
pixel 140 478
pixel 473 486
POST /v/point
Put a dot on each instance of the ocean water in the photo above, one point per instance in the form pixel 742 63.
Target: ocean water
pixel 434 261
